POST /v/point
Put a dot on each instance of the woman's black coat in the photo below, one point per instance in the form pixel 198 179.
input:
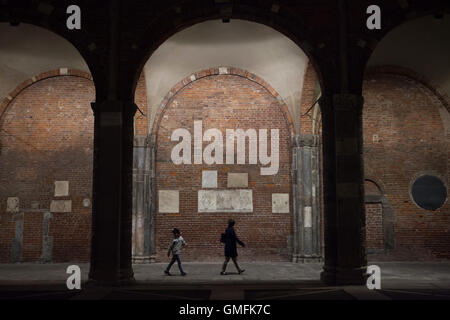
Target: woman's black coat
pixel 230 243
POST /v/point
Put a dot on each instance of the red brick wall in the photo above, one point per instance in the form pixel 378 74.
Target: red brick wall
pixel 140 98
pixel 309 85
pixel 405 116
pixel 223 102
pixel 46 136
pixel 374 226
pixel 32 236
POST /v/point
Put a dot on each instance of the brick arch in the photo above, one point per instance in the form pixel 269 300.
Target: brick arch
pixel 375 184
pixel 42 76
pixel 402 71
pixel 369 177
pixel 213 72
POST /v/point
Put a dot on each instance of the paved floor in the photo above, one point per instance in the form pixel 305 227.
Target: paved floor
pixel 399 280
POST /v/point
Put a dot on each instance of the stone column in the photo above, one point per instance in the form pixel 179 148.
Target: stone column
pixel 307 246
pixel 141 200
pixel 343 176
pixel 150 165
pixel 112 192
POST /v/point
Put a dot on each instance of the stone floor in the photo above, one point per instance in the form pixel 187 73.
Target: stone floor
pixel 399 280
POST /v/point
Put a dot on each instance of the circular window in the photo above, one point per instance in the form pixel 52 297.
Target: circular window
pixel 429 192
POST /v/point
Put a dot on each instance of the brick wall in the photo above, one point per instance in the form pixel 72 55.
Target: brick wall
pixel 223 102
pixel 403 138
pixel 47 136
pixel 308 96
pixel 374 226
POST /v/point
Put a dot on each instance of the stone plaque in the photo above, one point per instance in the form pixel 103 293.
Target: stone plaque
pixel 209 179
pixel 280 202
pixel 86 202
pixel 168 201
pixel 225 201
pixel 207 201
pixel 246 200
pixel 237 180
pixel 307 217
pixel 61 188
pixel 61 206
pixel 12 204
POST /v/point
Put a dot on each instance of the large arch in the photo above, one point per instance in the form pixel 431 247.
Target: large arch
pixel 37 60
pixel 222 70
pixel 47 168
pixel 221 93
pixel 412 87
pixel 29 50
pixel 171 22
pixel 206 43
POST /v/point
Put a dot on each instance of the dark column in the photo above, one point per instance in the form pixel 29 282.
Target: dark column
pixel 126 269
pixel 112 192
pixel 343 175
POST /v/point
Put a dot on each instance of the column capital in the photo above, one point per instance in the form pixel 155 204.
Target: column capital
pixel 125 107
pixel 140 141
pixel 305 140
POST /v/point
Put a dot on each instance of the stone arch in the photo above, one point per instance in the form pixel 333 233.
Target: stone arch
pixel 282 21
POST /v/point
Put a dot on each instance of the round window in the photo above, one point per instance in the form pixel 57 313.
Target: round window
pixel 429 192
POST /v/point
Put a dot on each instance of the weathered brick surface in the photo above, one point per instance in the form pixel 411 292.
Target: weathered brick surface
pixel 374 226
pixel 32 236
pixel 47 136
pixel 308 96
pixel 404 114
pixel 223 102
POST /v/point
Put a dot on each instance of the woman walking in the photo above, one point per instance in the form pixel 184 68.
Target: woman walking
pixel 230 239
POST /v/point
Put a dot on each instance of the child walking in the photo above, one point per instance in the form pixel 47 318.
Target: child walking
pixel 175 248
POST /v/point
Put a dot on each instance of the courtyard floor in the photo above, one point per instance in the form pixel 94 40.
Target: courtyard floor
pixel 399 281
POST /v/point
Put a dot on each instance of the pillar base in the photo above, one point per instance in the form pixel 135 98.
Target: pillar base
pixel 344 276
pixel 102 279
pixel 126 275
pixel 143 259
pixel 309 259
